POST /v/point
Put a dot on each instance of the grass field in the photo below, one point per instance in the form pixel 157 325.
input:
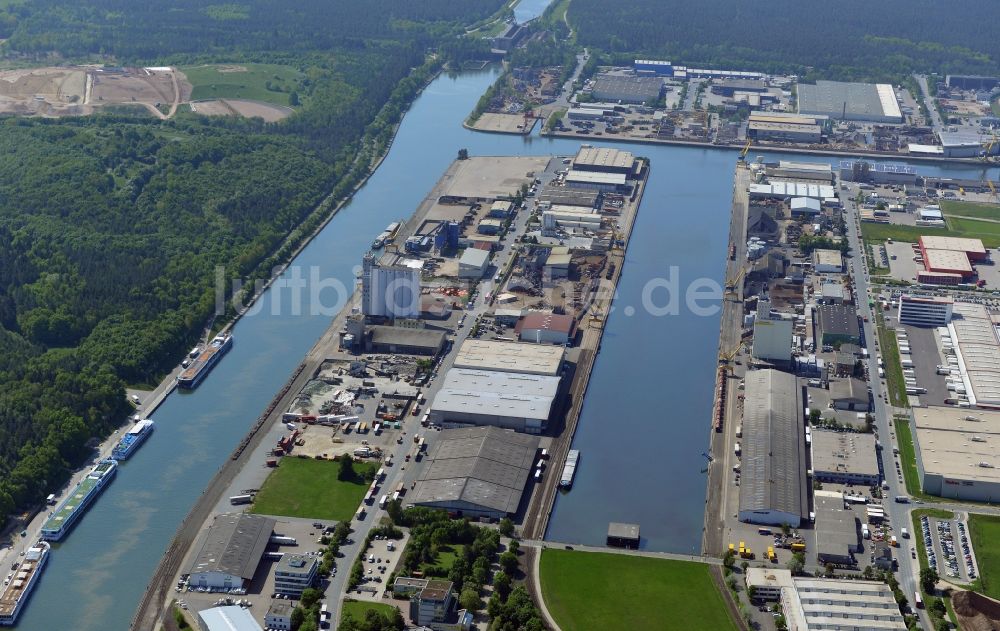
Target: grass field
pixel 356 609
pixel 985 533
pixel 442 563
pixel 988 231
pixel 303 487
pixel 589 590
pixel 970 209
pixel 242 81
pixel 893 368
pixel 908 457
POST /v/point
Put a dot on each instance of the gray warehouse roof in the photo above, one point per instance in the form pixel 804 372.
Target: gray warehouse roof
pixel 401 336
pixel 511 394
pixel 845 453
pixel 773 453
pixel 838 320
pixel 630 89
pixel 482 466
pixel 510 357
pixel 234 545
pixel 860 101
pixel 836 528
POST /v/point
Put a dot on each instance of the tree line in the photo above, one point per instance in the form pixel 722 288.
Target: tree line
pixel 853 39
pixel 112 226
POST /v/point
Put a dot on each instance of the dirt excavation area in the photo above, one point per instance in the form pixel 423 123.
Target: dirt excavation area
pixel 270 112
pixel 44 91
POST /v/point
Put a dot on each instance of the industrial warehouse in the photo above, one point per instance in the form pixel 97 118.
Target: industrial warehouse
pixel 478 471
pixel 773 487
pixel 957 452
pixel 530 359
pixel 977 348
pixel 231 551
pixel 850 101
pixel 844 458
pixel 517 401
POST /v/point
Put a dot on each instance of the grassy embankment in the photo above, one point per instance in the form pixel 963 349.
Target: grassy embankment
pixel 956 219
pixel 303 487
pixel 984 531
pixel 588 590
pixel 243 81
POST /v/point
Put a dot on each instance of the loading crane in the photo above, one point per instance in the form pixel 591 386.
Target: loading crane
pixel 746 149
pixel 988 147
pixel 726 358
pixel 733 282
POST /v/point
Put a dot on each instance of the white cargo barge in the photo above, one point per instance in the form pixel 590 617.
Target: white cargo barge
pixel 570 469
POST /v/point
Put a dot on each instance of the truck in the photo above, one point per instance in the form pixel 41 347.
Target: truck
pixel 737 449
pixel 383 501
pixel 893 542
pixel 771 556
pixel 236 500
pixel 904 533
pixel 798 546
pixel 902 499
pixel 282 540
pixel 867 534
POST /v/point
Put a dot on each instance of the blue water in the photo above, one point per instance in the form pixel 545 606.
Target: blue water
pixel 529 9
pixel 645 418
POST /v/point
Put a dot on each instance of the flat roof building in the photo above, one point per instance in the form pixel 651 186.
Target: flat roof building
pixel 822 604
pixel 850 101
pixel 227 618
pixel 977 346
pixel 405 341
pixel 294 573
pixel 773 485
pixel 784 132
pixel 509 400
pixel 623 535
pixel 478 471
pixel 627 89
pixel 958 452
pixel 804 206
pixel 838 324
pixel 837 537
pixel 531 359
pixel 768 582
pixel 596 180
pixel 828 261
pixel 972 248
pixel 545 328
pixel 231 551
pixel 948 262
pixel 473 263
pixel 844 458
pixel 604 159
pixel 925 310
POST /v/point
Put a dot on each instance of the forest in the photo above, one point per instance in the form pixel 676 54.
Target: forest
pixel 111 226
pixel 854 39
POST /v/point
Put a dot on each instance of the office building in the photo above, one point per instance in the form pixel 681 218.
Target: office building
pixel 773 485
pixel 231 551
pixel 866 102
pixel 844 458
pixel 389 291
pixel 294 573
pixel 477 471
pixel 279 616
pixel 925 311
pixel 768 582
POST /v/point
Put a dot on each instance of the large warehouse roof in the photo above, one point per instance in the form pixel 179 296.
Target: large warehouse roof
pixel 847 454
pixel 482 466
pixel 853 101
pixel 773 453
pixel 959 443
pixel 825 603
pixel 604 157
pixel 947 260
pixel 956 244
pixel 234 545
pixel 515 395
pixel 978 350
pixel 532 359
pixel 838 320
pixel 227 618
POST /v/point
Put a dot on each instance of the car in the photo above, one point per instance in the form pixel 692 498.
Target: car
pixel 318 525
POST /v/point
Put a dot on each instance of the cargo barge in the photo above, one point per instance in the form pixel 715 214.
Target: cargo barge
pixel 132 439
pixel 570 469
pixel 18 590
pixel 203 363
pixel 63 518
pixel 388 235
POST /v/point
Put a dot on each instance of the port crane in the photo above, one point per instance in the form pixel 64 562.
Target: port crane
pixel 730 356
pixel 733 282
pixel 988 147
pixel 745 151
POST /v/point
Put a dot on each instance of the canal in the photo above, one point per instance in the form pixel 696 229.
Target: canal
pixel 645 418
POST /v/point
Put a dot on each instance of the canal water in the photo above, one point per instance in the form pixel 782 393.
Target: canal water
pixel 645 418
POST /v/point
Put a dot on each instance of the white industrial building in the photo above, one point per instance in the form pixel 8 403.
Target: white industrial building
pixel 844 458
pixel 542 327
pixel 473 263
pixel 570 218
pixel 828 261
pixel 604 159
pixel 787 190
pixel 821 604
pixel 925 310
pixel 389 291
pixel 804 206
pixel 958 452
pixel 595 180
pixel 772 337
pixel 529 359
pixel 773 489
pixel 480 471
pixel 517 401
pixel 231 551
pixel 227 618
pixel 977 347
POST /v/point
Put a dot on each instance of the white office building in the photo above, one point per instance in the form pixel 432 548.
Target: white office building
pixel 389 291
pixel 925 310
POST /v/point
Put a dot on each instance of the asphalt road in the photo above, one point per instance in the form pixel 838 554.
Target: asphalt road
pixel 929 102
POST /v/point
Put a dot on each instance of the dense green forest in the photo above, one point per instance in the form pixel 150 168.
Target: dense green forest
pixel 111 226
pixel 850 39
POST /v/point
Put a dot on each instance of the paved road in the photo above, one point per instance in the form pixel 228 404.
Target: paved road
pixel 929 102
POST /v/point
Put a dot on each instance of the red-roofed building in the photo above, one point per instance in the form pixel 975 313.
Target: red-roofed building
pixel 541 327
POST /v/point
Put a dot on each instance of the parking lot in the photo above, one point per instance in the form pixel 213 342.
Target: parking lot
pixel 379 562
pixel 948 548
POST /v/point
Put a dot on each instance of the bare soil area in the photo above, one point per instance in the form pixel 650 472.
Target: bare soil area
pixel 241 107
